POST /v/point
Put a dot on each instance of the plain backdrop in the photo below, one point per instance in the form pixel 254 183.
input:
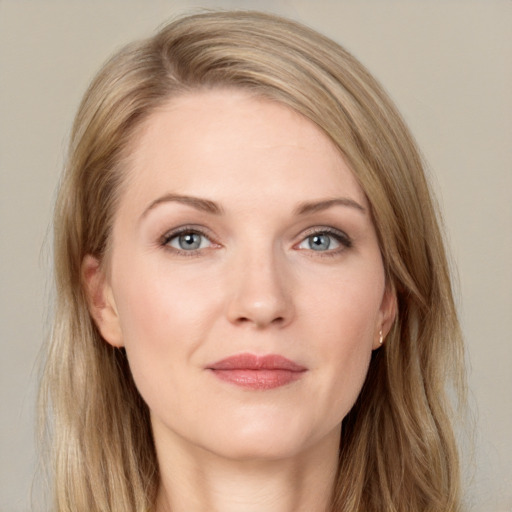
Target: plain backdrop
pixel 448 66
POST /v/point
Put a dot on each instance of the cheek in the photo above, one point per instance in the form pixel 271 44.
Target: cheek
pixel 346 321
pixel 164 318
pixel 157 303
pixel 346 307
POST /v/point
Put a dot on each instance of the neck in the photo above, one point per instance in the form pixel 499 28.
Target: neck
pixel 195 480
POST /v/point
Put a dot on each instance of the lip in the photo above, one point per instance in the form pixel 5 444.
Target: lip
pixel 257 372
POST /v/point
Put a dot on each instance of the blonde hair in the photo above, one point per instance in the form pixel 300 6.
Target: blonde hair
pixel 397 451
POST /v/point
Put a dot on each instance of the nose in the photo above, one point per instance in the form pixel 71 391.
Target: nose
pixel 261 294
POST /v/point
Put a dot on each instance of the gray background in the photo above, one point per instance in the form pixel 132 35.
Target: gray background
pixel 447 64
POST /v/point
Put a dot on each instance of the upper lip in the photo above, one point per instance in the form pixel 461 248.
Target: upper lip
pixel 255 362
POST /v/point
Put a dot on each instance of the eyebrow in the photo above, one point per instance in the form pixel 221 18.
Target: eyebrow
pixel 208 206
pixel 317 206
pixel 198 203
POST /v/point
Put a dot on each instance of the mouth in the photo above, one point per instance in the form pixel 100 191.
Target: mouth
pixel 257 372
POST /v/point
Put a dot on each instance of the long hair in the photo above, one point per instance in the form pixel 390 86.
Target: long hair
pixel 397 449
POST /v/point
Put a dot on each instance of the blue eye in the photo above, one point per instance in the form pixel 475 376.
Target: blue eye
pixel 188 241
pixel 320 242
pixel 325 241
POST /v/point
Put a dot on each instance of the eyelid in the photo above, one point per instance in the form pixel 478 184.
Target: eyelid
pixel 344 240
pixel 341 237
pixel 188 228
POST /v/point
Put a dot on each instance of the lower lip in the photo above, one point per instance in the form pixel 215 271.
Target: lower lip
pixel 258 379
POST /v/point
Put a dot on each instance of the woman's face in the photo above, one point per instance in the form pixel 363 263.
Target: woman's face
pixel 245 279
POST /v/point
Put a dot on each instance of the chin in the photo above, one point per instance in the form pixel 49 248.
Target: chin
pixel 257 442
pixel 255 450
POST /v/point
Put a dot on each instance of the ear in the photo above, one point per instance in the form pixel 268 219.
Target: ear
pixel 100 301
pixel 387 315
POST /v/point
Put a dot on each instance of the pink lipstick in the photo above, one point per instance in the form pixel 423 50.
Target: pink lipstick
pixel 257 372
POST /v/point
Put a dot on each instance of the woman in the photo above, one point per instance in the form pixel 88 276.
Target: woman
pixel 254 308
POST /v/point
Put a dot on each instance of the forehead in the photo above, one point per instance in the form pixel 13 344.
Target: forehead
pixel 223 142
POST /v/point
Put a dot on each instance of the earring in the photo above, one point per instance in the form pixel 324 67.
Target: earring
pixel 381 338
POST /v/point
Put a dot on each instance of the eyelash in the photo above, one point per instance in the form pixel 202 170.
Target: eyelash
pixel 184 230
pixel 342 238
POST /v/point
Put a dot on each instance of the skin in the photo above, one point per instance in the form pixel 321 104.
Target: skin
pixel 255 285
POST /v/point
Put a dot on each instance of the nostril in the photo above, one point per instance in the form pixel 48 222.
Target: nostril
pixel 259 308
pixel 260 322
